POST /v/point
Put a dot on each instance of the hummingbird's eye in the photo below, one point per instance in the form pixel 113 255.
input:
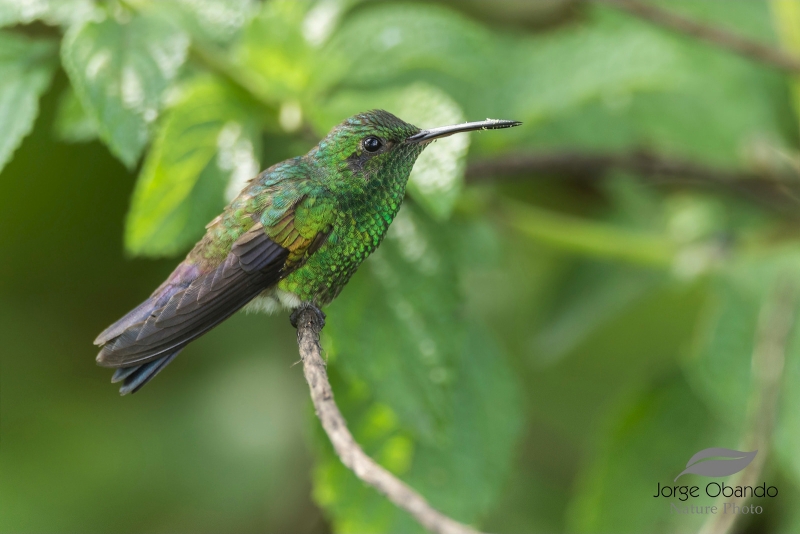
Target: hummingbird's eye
pixel 372 144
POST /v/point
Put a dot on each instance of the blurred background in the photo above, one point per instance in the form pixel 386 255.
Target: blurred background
pixel 560 317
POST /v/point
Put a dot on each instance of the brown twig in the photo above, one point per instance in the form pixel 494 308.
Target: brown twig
pixel 719 37
pixel 309 325
pixel 774 191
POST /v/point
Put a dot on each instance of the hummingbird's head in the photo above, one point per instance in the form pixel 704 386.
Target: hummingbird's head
pixel 364 145
pixel 376 147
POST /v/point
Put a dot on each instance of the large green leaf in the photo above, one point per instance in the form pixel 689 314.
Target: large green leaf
pixel 647 444
pixel 787 22
pixel 205 151
pixel 119 71
pixel 460 473
pixel 275 52
pixel 614 81
pixel 26 68
pixel 523 78
pixel 285 48
pixel 54 12
pixel 721 364
pixel 720 367
pixel 595 296
pixel 710 106
pixel 787 431
pixel 410 286
pixel 385 42
pixel 214 20
pixel 428 392
pixel 732 361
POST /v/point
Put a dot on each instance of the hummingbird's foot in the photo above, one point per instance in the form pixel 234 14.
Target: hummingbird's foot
pixel 295 316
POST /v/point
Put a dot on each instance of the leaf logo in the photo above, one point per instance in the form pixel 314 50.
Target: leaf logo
pixel 734 462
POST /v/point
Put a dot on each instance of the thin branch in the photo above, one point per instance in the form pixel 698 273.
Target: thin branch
pixel 775 324
pixel 309 325
pixel 719 37
pixel 772 190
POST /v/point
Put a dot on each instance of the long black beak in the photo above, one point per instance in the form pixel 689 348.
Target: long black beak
pixel 443 131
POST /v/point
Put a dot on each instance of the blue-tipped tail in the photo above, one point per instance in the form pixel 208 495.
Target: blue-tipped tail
pixel 133 378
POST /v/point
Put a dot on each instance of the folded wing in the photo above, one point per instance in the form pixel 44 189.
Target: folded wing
pixel 255 263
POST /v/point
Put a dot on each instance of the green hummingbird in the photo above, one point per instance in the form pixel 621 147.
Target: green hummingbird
pixel 293 238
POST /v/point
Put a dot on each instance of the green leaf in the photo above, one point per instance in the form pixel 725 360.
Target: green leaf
pixel 685 236
pixel 648 443
pixel 438 175
pixel 53 12
pixel 595 297
pixel 381 43
pixel 590 238
pixel 787 21
pixel 525 78
pixel 787 432
pixel 720 365
pixel 119 71
pixel 711 105
pixel 486 422
pixel 275 52
pixel 26 68
pixel 210 20
pixel 722 369
pixel 611 82
pixel 460 474
pixel 205 151
pixel 286 48
pixel 417 306
pixel 72 123
pixel 424 384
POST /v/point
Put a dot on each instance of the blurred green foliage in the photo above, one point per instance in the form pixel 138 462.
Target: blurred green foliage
pixel 531 355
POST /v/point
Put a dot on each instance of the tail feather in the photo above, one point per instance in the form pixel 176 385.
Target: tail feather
pixel 191 302
pixel 133 378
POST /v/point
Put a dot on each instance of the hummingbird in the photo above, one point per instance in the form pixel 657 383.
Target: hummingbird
pixel 292 238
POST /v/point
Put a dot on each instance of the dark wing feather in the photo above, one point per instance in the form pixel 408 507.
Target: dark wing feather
pixel 180 278
pixel 254 264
